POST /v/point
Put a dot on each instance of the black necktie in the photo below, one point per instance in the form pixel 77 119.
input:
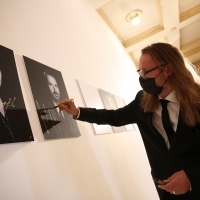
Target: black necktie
pixel 166 121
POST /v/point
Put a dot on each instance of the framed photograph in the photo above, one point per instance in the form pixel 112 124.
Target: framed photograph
pixel 120 103
pixel 48 90
pixel 92 99
pixel 14 122
pixel 109 103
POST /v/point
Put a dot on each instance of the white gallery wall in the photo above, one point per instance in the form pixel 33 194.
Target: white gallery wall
pixel 71 37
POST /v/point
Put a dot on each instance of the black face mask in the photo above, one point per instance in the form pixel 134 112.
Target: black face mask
pixel 149 85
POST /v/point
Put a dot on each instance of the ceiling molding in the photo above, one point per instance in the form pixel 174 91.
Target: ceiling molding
pixel 105 18
pixel 193 54
pixel 139 37
pixel 166 26
pixel 191 49
pixel 197 64
pixel 143 36
pixel 191 44
pixel 149 32
pixel 189 13
pixel 160 11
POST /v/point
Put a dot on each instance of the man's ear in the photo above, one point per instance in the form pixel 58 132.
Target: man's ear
pixel 168 69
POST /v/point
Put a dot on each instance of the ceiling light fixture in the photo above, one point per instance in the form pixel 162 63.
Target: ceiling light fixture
pixel 134 17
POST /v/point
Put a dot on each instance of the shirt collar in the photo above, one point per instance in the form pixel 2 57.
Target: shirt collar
pixel 171 97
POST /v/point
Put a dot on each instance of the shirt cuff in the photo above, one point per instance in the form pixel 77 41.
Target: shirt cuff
pixel 76 117
pixel 190 185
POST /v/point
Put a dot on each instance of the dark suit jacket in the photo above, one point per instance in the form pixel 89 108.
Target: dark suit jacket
pixel 17 121
pixel 54 125
pixel 184 152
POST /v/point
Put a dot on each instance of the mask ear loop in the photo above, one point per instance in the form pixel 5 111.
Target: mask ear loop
pixel 159 74
pixel 165 80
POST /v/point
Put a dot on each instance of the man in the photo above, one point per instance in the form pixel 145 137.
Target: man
pixel 174 158
pixel 55 124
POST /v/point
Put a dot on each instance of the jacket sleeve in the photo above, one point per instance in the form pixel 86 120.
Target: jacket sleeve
pixel 119 117
pixel 193 176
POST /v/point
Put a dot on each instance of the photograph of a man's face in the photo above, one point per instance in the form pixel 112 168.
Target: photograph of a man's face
pixel 14 122
pixel 53 88
pixel 48 90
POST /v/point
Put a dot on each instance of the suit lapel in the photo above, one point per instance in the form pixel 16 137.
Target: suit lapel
pixel 180 131
pixel 159 140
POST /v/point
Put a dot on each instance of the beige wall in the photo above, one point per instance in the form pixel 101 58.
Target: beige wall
pixel 71 37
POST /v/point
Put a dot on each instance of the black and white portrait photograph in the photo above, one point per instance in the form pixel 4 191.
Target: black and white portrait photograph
pixel 109 103
pixel 48 90
pixel 14 122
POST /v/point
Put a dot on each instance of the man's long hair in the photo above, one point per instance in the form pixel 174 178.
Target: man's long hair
pixel 184 79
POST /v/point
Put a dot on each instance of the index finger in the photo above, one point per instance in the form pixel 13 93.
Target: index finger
pixel 66 102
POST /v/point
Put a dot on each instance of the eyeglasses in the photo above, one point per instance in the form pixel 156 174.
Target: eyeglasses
pixel 143 73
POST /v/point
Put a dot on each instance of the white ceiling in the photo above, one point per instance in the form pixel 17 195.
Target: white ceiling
pixel 174 21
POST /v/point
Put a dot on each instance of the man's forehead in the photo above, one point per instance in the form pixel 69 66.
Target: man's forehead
pixel 145 57
pixel 146 61
pixel 50 76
